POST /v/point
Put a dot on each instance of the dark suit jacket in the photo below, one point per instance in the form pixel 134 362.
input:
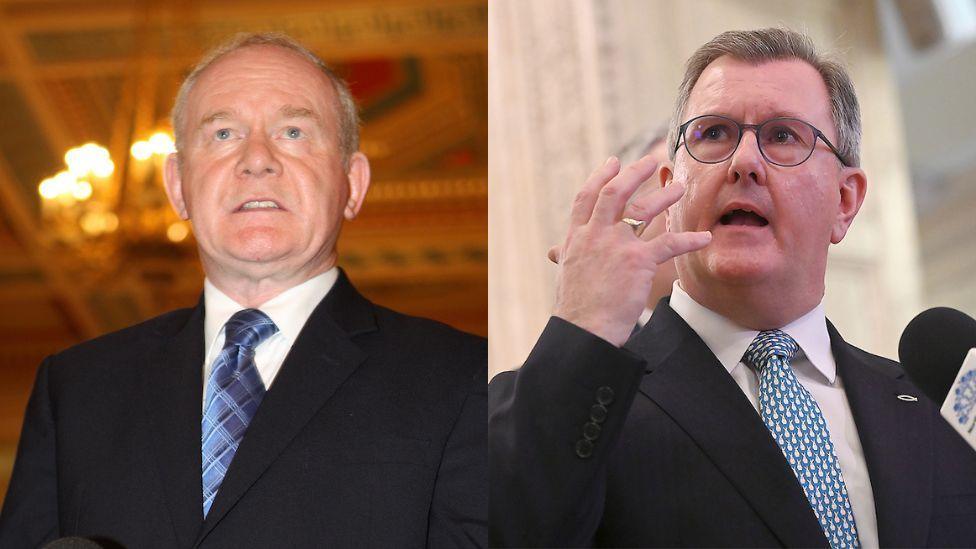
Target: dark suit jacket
pixel 372 435
pixel 681 457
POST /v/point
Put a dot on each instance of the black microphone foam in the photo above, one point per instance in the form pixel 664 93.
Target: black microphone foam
pixel 932 349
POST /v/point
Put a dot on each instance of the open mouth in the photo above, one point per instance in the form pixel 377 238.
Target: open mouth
pixel 743 218
pixel 259 205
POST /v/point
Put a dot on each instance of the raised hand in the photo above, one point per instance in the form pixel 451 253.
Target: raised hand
pixel 605 271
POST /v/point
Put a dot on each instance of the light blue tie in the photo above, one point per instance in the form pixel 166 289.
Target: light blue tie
pixel 234 392
pixel 798 425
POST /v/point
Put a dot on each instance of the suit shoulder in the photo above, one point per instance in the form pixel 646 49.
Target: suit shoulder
pixel 135 339
pixel 434 332
pixel 880 363
pixel 433 342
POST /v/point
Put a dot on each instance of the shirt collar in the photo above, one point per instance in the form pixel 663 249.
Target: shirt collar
pixel 728 341
pixel 289 310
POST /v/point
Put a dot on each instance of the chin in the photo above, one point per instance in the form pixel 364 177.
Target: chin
pixel 739 266
pixel 259 244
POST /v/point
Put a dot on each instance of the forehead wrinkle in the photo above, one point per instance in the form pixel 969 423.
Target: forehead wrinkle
pixel 731 91
pixel 740 102
pixel 256 78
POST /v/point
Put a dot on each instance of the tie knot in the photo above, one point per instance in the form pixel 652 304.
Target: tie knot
pixel 768 344
pixel 248 328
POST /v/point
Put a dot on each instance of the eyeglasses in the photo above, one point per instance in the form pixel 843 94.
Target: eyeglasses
pixel 711 139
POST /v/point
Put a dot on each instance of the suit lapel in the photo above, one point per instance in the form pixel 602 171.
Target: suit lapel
pixel 173 392
pixel 319 362
pixel 896 438
pixel 686 380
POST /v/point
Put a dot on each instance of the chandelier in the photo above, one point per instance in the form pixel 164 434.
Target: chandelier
pixel 93 207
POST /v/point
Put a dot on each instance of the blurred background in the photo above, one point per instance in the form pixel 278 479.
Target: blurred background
pixel 574 81
pixel 88 243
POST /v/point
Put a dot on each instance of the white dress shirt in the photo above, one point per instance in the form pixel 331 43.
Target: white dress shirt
pixel 816 370
pixel 645 317
pixel 289 310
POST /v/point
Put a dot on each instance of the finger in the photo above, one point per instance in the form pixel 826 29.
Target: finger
pixel 649 205
pixel 553 254
pixel 614 195
pixel 657 226
pixel 587 195
pixel 670 245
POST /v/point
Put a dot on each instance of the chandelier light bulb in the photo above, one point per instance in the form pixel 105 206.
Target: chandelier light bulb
pixel 64 183
pixel 76 161
pixel 89 158
pixel 177 232
pixel 103 167
pixel 162 144
pixel 141 150
pixel 48 189
pixel 82 190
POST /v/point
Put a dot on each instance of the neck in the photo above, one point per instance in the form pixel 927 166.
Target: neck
pixel 755 306
pixel 253 289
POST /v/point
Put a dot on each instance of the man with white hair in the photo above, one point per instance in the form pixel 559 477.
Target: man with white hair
pixel 284 410
pixel 738 416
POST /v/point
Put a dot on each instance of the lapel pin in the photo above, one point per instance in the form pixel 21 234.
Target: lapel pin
pixel 908 398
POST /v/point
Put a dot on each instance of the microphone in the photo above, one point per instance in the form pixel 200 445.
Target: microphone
pixel 938 351
pixel 932 348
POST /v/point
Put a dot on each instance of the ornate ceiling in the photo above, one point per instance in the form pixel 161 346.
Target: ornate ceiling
pixel 73 71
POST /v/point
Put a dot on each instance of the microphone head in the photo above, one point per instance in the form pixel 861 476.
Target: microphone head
pixel 932 349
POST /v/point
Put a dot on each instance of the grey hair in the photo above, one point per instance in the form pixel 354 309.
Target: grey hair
pixel 345 106
pixel 759 46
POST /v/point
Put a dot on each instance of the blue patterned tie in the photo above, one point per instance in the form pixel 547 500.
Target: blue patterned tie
pixel 798 425
pixel 234 392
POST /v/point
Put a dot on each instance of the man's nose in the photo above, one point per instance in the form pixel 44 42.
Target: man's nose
pixel 258 158
pixel 747 162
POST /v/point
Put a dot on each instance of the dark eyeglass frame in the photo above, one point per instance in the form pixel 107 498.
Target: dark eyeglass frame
pixel 756 128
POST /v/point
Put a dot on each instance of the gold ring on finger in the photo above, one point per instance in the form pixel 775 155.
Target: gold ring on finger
pixel 635 224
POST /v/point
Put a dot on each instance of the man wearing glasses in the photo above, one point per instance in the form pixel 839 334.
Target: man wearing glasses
pixel 738 415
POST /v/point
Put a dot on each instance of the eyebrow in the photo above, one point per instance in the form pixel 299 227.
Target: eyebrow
pixel 289 111
pixel 212 117
pixel 770 115
pixel 788 114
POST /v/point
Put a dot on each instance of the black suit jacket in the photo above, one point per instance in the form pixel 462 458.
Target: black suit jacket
pixel 681 458
pixel 372 435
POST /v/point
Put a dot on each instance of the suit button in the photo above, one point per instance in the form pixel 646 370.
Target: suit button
pixel 598 413
pixel 604 395
pixel 584 448
pixel 591 431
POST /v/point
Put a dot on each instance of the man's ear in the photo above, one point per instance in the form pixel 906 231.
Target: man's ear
pixel 173 182
pixel 853 187
pixel 665 173
pixel 358 176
